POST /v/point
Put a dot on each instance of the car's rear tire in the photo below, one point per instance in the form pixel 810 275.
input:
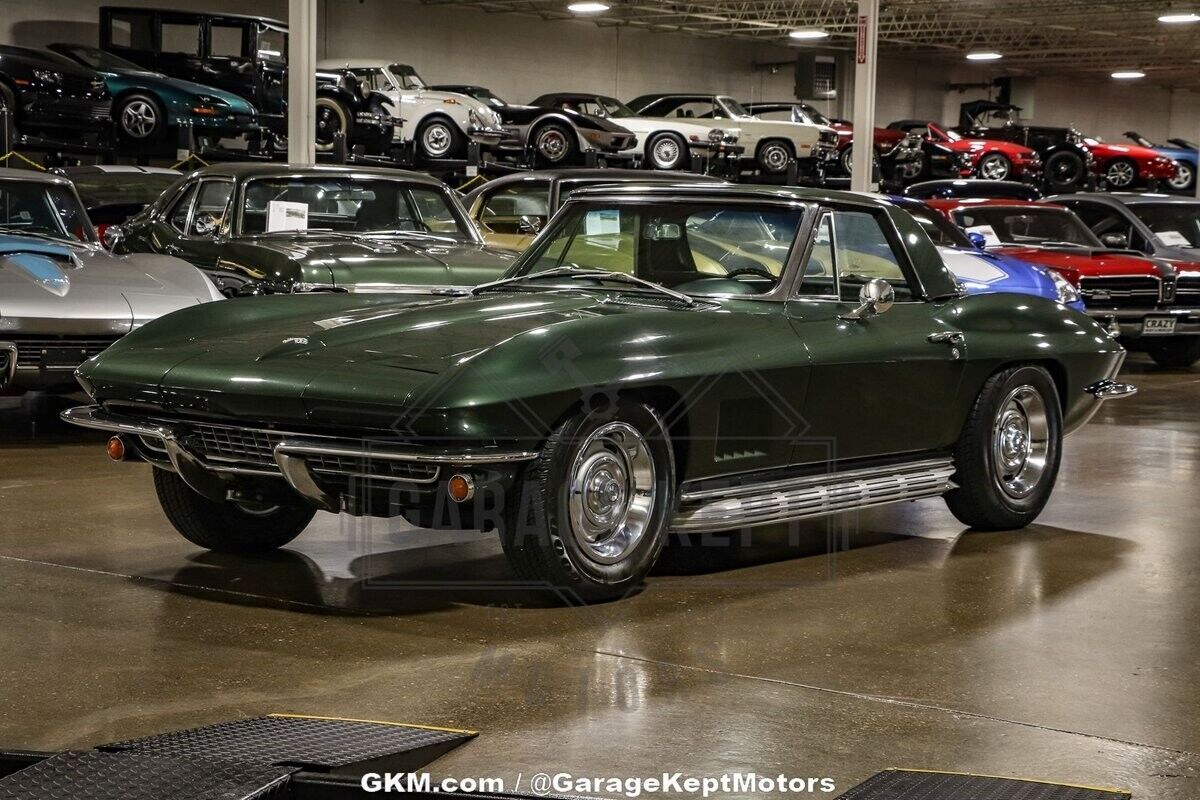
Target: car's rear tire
pixel 440 138
pixel 1179 353
pixel 140 118
pixel 332 116
pixel 225 526
pixel 666 151
pixel 1007 457
pixel 773 156
pixel 592 511
pixel 994 167
pixel 1064 170
pixel 554 145
pixel 1121 174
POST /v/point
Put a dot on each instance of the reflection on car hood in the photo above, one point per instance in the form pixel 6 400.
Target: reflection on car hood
pixel 1082 260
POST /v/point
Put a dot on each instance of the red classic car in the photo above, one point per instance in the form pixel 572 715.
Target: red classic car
pixel 1124 165
pixel 1152 304
pixel 886 139
pixel 989 159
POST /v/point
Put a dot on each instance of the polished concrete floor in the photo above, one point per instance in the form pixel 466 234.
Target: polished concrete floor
pixel 1069 651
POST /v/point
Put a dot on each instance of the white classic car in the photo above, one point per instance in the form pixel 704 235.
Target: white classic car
pixel 667 143
pixel 771 144
pixel 439 124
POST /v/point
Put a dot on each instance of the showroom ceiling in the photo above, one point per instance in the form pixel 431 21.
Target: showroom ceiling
pixel 1086 37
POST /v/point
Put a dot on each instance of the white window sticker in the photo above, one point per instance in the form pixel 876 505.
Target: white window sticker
pixel 606 221
pixel 1172 238
pixel 990 239
pixel 285 216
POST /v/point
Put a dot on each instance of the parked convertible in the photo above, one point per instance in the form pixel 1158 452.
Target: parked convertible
pixel 62 297
pixel 977 157
pixel 889 143
pixel 663 358
pixel 269 228
pixel 1182 152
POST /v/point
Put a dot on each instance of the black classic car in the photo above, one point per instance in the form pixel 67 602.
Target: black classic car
pixel 242 54
pixel 50 98
pixel 558 137
pixel 352 106
pixel 274 228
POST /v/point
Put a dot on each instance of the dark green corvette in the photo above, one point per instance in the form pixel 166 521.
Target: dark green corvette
pixel 663 358
pixel 271 228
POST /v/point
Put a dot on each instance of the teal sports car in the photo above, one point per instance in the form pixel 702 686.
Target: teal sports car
pixel 147 104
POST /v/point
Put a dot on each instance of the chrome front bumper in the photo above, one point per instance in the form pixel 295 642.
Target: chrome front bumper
pixel 164 444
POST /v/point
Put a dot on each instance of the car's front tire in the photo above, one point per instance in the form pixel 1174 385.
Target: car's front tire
pixel 440 138
pixel 591 513
pixel 1121 174
pixel 226 526
pixel 1184 179
pixel 554 145
pixel 773 156
pixel 1064 170
pixel 332 116
pixel 1006 459
pixel 140 118
pixel 1178 353
pixel 666 151
pixel 994 167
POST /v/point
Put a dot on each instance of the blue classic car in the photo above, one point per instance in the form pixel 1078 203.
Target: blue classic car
pixel 980 271
pixel 147 104
pixel 1186 154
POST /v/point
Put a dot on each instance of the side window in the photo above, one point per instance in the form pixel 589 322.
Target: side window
pixel 226 41
pixel 177 218
pixel 1105 222
pixel 181 37
pixel 819 278
pixel 211 205
pixel 849 249
pixel 132 30
pixel 502 212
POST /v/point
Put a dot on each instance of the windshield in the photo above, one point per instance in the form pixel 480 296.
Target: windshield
pixel 941 230
pixel 272 44
pixel 350 205
pixel 44 209
pixel 1026 225
pixel 816 116
pixel 697 248
pixel 407 77
pixel 733 108
pixel 113 188
pixel 1175 224
pixel 487 96
pixel 98 59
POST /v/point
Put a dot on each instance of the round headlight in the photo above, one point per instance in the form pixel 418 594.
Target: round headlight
pixel 715 135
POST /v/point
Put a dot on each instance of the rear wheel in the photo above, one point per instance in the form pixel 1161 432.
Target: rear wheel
pixel 225 526
pixel 1185 177
pixel 1007 457
pixel 332 117
pixel 1179 353
pixel 666 151
pixel 554 144
pixel 1064 170
pixel 1121 174
pixel 593 510
pixel 994 167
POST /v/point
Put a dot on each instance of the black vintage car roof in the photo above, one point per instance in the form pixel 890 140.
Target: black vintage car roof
pixel 259 170
pixel 1131 198
pixel 186 12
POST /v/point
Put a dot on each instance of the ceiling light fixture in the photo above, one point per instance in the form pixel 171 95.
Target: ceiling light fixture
pixel 986 55
pixel 810 33
pixel 587 8
pixel 1181 17
pixel 1128 74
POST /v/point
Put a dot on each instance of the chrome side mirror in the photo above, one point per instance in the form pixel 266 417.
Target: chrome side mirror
pixel 875 297
pixel 529 225
pixel 1117 241
pixel 113 236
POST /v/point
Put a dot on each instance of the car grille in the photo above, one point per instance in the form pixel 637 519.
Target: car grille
pixel 829 138
pixel 64 352
pixel 1132 292
pixel 1187 290
pixel 255 449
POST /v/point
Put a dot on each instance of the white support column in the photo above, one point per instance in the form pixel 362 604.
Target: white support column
pixel 302 81
pixel 864 94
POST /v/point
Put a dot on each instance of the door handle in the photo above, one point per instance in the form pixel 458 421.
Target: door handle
pixel 947 337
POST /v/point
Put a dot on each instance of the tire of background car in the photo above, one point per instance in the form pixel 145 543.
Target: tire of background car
pixel 994 167
pixel 1179 353
pixel 439 137
pixel 1064 170
pixel 139 118
pixel 773 155
pixel 1185 177
pixel 1121 174
pixel 227 527
pixel 554 144
pixel 592 511
pixel 332 116
pixel 666 151
pixel 847 160
pixel 1007 456
pixel 911 170
pixel 8 100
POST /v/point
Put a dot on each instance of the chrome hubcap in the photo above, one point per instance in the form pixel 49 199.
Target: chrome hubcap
pixel 1120 174
pixel 436 140
pixel 666 153
pixel 1183 177
pixel 775 156
pixel 551 144
pixel 139 118
pixel 994 168
pixel 1020 442
pixel 611 492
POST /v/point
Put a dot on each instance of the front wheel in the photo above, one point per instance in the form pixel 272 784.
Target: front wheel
pixel 440 138
pixel 140 119
pixel 1064 170
pixel 1184 179
pixel 1007 457
pixel 554 144
pixel 1179 353
pixel 591 512
pixel 994 167
pixel 1121 174
pixel 226 526
pixel 332 117
pixel 666 151
pixel 773 156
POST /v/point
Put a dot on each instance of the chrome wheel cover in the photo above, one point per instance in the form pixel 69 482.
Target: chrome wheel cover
pixel 436 139
pixel 1183 177
pixel 551 144
pixel 993 168
pixel 139 118
pixel 775 157
pixel 1120 174
pixel 666 153
pixel 1020 442
pixel 612 492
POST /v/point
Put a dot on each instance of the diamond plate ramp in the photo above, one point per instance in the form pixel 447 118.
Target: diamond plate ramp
pixel 903 784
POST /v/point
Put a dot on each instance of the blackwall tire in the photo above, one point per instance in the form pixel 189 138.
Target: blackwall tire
pixel 1064 171
pixel 994 167
pixel 227 527
pixel 1007 457
pixel 773 156
pixel 1121 174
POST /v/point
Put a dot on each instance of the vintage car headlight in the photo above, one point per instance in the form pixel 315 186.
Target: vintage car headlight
pixel 47 76
pixel 716 135
pixel 1067 292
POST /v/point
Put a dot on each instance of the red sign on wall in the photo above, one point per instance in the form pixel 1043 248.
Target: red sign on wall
pixel 861 50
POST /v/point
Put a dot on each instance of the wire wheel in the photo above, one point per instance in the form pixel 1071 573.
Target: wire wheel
pixel 139 118
pixel 1020 442
pixel 612 492
pixel 1120 174
pixel 666 153
pixel 994 167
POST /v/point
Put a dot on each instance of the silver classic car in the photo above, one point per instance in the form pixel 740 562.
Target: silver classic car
pixel 63 297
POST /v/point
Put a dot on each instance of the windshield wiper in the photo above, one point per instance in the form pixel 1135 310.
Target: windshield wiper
pixel 578 273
